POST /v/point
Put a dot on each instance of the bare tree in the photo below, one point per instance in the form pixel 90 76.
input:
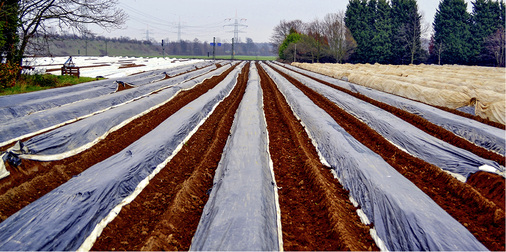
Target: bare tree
pixel 495 43
pixel 316 29
pixel 36 16
pixel 282 30
pixel 340 40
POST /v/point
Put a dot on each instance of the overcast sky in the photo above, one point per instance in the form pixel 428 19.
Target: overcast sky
pixel 205 19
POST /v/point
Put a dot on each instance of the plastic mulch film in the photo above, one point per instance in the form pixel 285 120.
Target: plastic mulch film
pixel 32 124
pixel 458 162
pixel 73 138
pixel 242 212
pixel 158 75
pixel 73 215
pixel 483 135
pixel 22 105
pixel 404 217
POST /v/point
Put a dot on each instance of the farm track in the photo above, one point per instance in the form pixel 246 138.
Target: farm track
pixel 32 179
pixel 316 213
pixel 153 221
pixel 481 216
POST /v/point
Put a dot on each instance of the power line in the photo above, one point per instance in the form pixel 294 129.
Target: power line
pixel 237 26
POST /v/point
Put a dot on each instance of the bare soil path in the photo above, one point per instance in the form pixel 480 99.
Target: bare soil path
pixel 316 213
pixel 166 213
pixel 482 217
pixel 33 179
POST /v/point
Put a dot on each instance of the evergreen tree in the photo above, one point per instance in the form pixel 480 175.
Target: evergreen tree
pixel 293 37
pixel 9 23
pixel 406 29
pixel 381 42
pixel 451 27
pixel 486 20
pixel 359 18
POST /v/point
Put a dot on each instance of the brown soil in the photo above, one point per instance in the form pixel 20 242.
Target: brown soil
pixel 32 179
pixel 130 65
pixel 124 86
pixel 482 217
pixel 316 213
pixel 59 69
pixel 496 193
pixel 426 126
pixel 166 213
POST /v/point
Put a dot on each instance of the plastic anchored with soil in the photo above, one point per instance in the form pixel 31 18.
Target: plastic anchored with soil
pixel 458 162
pixel 49 119
pixel 98 194
pixel 483 135
pixel 403 216
pixel 242 211
pixel 74 138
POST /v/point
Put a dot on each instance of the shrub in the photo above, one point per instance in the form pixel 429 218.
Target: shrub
pixel 8 74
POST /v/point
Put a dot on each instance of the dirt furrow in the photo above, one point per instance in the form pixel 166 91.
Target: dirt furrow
pixel 166 213
pixel 423 124
pixel 33 179
pixel 316 213
pixel 482 217
pixel 493 189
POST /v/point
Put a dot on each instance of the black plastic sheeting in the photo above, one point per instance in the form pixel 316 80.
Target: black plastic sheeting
pixel 73 138
pixel 157 75
pixel 27 105
pixel 64 218
pixel 241 213
pixel 404 217
pixel 24 104
pixel 404 135
pixel 31 124
pixel 483 135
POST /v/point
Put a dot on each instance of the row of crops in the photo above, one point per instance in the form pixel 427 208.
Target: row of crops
pixel 242 210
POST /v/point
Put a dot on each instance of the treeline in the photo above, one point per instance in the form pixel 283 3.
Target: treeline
pixel 390 32
pixel 71 44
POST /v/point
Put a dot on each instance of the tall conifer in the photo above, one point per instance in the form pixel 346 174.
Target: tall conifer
pixel 452 33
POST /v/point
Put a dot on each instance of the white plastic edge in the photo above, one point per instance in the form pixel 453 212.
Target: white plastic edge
pixel 377 240
pixel 76 151
pixel 271 168
pixel 91 114
pixel 90 240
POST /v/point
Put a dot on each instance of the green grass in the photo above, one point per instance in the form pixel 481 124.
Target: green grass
pixel 31 83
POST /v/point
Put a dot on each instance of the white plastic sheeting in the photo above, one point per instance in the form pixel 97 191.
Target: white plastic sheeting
pixel 404 217
pixel 242 212
pixel 451 86
pixel 35 123
pixel 108 67
pixel 73 138
pixel 24 104
pixel 404 135
pixel 73 215
pixel 20 105
pixel 482 135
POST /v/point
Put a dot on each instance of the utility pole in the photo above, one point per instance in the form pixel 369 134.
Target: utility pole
pixel 232 48
pixel 237 26
pixel 295 54
pixel 214 47
pixel 163 50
